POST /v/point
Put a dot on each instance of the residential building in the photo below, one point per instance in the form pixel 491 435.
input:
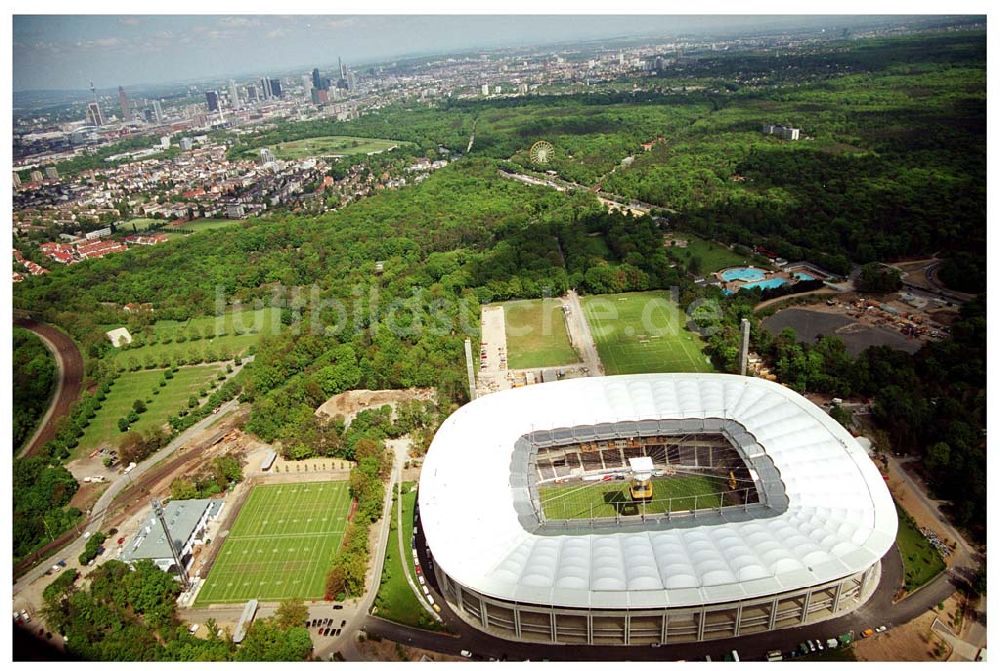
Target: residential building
pixel 51 172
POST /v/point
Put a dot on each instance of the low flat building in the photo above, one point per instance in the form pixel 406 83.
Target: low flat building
pixel 187 521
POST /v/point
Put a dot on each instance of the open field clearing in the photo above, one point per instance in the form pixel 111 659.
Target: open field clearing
pixel 536 334
pixel 141 385
pixel 332 145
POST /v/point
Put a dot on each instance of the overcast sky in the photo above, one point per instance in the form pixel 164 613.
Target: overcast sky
pixel 67 52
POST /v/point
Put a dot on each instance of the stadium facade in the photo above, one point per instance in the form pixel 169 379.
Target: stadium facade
pixel 805 547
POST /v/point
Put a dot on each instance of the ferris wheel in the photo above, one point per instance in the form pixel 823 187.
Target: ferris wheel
pixel 542 152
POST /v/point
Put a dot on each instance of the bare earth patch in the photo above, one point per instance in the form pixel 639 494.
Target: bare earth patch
pixel 910 642
pixel 350 403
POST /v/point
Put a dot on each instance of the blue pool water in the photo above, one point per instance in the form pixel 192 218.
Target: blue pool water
pixel 804 276
pixel 743 274
pixel 765 284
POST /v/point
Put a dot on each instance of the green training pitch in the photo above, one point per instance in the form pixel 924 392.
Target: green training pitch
pixel 536 334
pixel 677 493
pixel 281 546
pixel 208 224
pixel 643 332
pixel 332 145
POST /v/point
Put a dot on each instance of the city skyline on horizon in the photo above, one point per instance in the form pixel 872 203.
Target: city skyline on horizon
pixel 68 52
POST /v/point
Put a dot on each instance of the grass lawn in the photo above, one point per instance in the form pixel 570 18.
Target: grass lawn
pixel 921 562
pixel 140 385
pixel 679 493
pixel 331 145
pixel 140 224
pixel 282 544
pixel 234 333
pixel 395 600
pixel 208 224
pixel 536 334
pixel 643 332
pixel 714 256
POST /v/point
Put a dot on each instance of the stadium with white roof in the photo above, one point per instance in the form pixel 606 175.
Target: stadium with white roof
pixel 800 542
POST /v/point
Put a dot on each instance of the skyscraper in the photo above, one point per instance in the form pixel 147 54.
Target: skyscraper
pixel 213 100
pixel 275 87
pixel 252 95
pixel 157 111
pixel 265 87
pixel 123 103
pixel 317 81
pixel 94 116
pixel 234 95
pixel 307 85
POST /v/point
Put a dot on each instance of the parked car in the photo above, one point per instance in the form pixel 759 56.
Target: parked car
pixel 819 644
pixel 831 643
pixel 879 630
pixel 868 633
pixel 337 606
pixel 465 653
pixel 812 646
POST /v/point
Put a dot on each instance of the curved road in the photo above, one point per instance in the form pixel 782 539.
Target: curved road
pixel 68 386
pixel 879 609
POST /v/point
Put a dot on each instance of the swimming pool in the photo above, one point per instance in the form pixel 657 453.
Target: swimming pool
pixel 765 284
pixel 803 276
pixel 742 274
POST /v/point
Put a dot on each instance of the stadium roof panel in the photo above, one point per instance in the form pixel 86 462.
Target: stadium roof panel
pixel 839 520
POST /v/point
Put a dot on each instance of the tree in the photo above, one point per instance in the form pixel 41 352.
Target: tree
pixel 267 642
pixel 878 278
pixel 122 424
pixel 138 406
pixel 291 613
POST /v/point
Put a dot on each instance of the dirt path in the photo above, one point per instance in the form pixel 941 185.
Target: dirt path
pixel 68 386
pixel 579 333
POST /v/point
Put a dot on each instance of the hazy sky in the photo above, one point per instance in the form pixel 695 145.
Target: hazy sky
pixel 54 52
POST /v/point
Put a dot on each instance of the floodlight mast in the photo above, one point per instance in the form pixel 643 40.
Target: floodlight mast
pixel 181 571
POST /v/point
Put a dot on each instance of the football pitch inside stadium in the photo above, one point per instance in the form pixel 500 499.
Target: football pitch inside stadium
pixel 282 544
pixel 643 332
pixel 587 500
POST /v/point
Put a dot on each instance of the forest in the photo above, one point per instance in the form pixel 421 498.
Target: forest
pixel 129 613
pixel 34 372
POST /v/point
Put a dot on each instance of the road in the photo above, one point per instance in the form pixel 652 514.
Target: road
pixel 345 644
pixel 68 385
pixel 100 508
pixel 966 557
pixel 579 333
pixel 878 610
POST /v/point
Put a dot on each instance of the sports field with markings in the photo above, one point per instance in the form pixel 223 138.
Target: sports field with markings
pixel 643 332
pixel 590 500
pixel 282 544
